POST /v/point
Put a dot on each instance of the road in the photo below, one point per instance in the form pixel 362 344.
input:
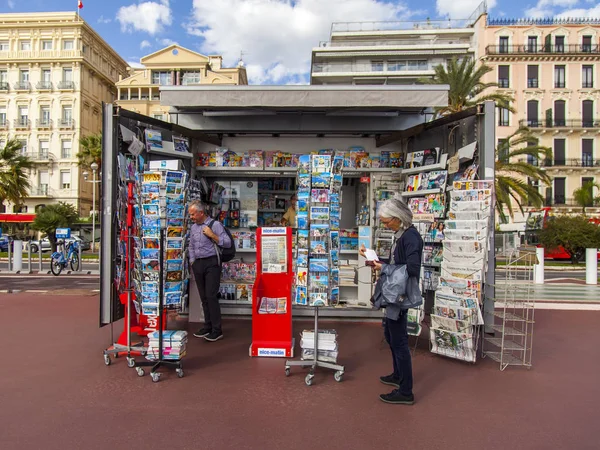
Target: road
pixel 49 282
pixel 548 274
pixel 46 266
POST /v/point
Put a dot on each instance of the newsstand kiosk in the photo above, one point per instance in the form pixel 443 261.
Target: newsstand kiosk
pixel 271 294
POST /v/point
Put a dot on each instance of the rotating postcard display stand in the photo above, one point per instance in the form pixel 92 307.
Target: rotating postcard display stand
pixel 318 247
pixel 271 299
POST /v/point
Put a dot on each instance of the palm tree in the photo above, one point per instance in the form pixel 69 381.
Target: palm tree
pixel 14 180
pixel 90 150
pixel 584 196
pixel 466 87
pixel 512 174
pixel 53 216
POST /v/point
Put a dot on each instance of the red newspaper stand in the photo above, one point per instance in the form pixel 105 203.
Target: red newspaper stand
pixel 271 294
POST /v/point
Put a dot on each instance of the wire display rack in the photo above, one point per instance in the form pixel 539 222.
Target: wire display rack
pixel 513 317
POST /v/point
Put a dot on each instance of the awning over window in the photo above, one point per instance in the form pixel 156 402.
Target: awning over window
pixel 16 218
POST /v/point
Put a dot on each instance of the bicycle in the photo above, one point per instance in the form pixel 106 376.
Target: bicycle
pixel 59 260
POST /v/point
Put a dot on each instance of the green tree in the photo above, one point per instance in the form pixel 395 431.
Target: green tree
pixel 14 180
pixel 53 216
pixel 584 196
pixel 512 173
pixel 573 233
pixel 90 150
pixel 466 86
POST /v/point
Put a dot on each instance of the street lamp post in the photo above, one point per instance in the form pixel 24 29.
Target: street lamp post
pixel 94 167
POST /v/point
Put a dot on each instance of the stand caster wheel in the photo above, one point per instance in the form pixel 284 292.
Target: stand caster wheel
pixel 140 371
pixel 130 362
pixel 338 376
pixel 309 379
pixel 155 377
pixel 107 360
pixel 116 355
pixel 287 371
pixel 180 373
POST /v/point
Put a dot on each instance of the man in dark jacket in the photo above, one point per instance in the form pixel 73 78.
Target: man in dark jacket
pixel 406 250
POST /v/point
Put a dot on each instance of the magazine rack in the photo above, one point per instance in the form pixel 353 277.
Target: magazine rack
pixel 314 363
pixel 156 364
pixel 513 319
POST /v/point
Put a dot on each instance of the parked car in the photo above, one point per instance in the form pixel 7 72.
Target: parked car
pixel 4 241
pixel 34 245
pixel 83 242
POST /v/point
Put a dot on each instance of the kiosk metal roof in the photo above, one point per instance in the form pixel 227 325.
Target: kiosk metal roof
pixel 273 99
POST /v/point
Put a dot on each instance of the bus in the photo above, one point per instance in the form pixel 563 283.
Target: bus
pixel 536 219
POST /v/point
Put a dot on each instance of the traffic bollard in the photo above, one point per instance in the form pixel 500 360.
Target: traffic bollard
pixel 591 266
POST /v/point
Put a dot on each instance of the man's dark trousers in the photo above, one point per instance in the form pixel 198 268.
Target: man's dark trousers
pixel 207 273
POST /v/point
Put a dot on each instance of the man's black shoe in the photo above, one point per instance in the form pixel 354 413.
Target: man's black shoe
pixel 202 332
pixel 214 336
pixel 390 380
pixel 396 398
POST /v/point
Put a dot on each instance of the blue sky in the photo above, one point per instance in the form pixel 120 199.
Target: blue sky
pixel 275 37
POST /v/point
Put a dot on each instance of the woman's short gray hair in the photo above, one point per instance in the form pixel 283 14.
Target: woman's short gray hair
pixel 197 205
pixel 396 208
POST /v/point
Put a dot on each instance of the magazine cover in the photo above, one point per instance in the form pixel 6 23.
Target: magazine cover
pixel 436 179
pixel 431 156
pixel 414 160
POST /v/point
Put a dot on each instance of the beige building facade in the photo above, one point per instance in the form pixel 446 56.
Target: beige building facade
pixel 55 72
pixel 173 66
pixel 551 68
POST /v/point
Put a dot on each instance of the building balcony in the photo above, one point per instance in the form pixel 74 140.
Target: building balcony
pixel 528 50
pixel 40 191
pixel 368 69
pixel 44 85
pixel 66 85
pixel 561 201
pixel 42 156
pixel 22 124
pixel 4 86
pixel 367 27
pixel 66 124
pixel 22 86
pixel 40 54
pixel 426 43
pixel 43 124
pixel 569 124
pixel 3 124
pixel 564 163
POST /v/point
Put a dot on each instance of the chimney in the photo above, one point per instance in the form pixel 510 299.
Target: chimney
pixel 215 62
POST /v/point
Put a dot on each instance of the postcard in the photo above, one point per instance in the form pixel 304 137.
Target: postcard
pixel 150 276
pixel 319 265
pixel 302 239
pixel 335 295
pixel 174 253
pixel 319 195
pixel 149 253
pixel 151 232
pixel 174 189
pixel 153 140
pixel 301 276
pixel 174 264
pixel 301 295
pixel 151 178
pixel 319 213
pixel 174 177
pixel 174 232
pixel 149 286
pixel 150 189
pixel 150 242
pixel 302 259
pixel 151 221
pixel 173 286
pixel 321 181
pixel 174 243
pixel 174 275
pixel 318 299
pixel 321 163
pixel 150 264
pixel 172 298
pixel 318 247
pixel 150 210
pixel 175 222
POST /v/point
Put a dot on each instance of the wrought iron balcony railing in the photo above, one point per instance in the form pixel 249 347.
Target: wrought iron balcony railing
pixel 22 123
pixel 66 123
pixel 542 49
pixel 560 123
pixel 22 86
pixel 565 162
pixel 66 85
pixel 44 123
pixel 4 86
pixel 44 85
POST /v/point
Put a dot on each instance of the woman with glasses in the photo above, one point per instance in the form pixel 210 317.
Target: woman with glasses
pixel 407 249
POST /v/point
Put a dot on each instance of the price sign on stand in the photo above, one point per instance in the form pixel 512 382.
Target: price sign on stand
pixel 271 294
pixel 63 233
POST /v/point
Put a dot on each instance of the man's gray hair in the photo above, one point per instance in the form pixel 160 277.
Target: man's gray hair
pixel 198 205
pixel 396 208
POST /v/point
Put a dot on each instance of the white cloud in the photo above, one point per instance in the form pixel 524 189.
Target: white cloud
pixel 460 9
pixel 11 4
pixel 145 44
pixel 103 19
pixel 545 8
pixel 150 17
pixel 166 42
pixel 277 36
pixel 581 13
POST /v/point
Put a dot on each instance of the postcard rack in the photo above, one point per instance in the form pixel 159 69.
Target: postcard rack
pixel 318 220
pixel 160 361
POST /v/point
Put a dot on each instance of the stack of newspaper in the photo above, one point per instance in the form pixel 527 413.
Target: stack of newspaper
pixel 174 345
pixel 327 345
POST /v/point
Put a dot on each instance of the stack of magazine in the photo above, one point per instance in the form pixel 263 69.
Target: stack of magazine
pixel 457 308
pixel 174 345
pixel 327 346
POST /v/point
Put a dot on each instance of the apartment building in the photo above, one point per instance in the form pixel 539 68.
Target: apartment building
pixel 390 52
pixel 550 67
pixel 55 72
pixel 173 65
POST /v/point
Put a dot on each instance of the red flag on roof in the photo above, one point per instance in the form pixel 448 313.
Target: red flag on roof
pixel 79 4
